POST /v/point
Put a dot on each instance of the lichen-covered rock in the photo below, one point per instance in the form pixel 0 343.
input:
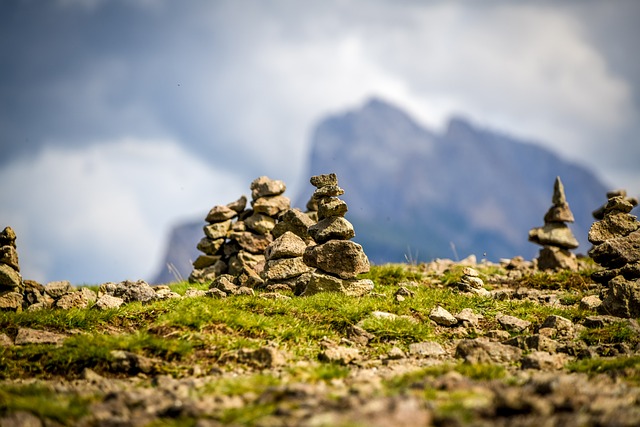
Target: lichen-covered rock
pixel 10 280
pixel 286 246
pixel 11 301
pixel 333 227
pixel 284 268
pixel 622 298
pixel 129 291
pixel 618 251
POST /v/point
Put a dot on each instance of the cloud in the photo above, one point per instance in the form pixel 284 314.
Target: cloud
pixel 102 213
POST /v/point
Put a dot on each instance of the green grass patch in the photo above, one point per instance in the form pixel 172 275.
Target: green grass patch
pixel 43 402
pixel 612 333
pixel 627 368
pixel 561 280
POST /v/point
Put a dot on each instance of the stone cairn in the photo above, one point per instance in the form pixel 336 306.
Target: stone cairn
pixel 616 240
pixel 11 286
pixel 555 236
pixel 337 259
pixel 285 268
pixel 236 238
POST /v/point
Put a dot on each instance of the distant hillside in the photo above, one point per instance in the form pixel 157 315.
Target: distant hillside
pixel 413 193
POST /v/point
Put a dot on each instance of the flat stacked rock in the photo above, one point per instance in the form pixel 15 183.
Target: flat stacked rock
pixel 236 237
pixel 11 286
pixel 599 213
pixel 616 240
pixel 285 268
pixel 555 236
pixel 337 259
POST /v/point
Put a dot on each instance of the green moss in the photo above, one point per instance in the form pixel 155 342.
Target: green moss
pixel 627 368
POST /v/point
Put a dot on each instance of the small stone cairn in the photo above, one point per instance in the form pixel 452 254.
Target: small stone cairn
pixel 616 240
pixel 11 286
pixel 337 259
pixel 236 238
pixel 555 236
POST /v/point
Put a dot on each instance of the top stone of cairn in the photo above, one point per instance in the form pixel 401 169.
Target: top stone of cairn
pixel 326 180
pixel 559 211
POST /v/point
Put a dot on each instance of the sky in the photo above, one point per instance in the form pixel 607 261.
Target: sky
pixel 120 119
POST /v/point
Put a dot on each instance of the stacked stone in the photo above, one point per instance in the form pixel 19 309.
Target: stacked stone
pixel 285 268
pixel 237 248
pixel 616 240
pixel 11 286
pixel 337 259
pixel 599 213
pixel 555 236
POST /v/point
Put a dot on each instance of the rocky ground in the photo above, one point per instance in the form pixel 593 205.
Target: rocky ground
pixel 430 345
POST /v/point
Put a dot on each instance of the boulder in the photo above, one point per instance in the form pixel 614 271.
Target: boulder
pixel 333 227
pixel 264 186
pixel 286 246
pixel 341 257
pixel 319 282
pixel 129 291
pixel 622 298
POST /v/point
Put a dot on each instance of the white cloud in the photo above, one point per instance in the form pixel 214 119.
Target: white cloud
pixel 103 213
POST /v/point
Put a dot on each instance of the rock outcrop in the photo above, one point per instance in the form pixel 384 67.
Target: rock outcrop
pixel 337 259
pixel 616 240
pixel 555 236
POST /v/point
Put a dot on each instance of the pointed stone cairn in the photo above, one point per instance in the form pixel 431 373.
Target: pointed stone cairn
pixel 555 236
pixel 337 259
pixel 616 240
pixel 236 238
pixel 11 286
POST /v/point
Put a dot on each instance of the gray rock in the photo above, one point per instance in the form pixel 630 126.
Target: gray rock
pixel 481 351
pixel 284 268
pixel 554 234
pixel 249 278
pixel 220 213
pixel 334 227
pixel 11 301
pixel 10 279
pixel 264 186
pixel 266 357
pixel 467 317
pixel 340 354
pixel 286 246
pixel 327 191
pixel 5 341
pixel 617 252
pixel 325 180
pixel 204 261
pixel 239 205
pixel 207 274
pixel 590 302
pixel 215 293
pixel 261 224
pixel 225 283
pixel 320 282
pixel 341 257
pixel 210 246
pixel 129 291
pixel 543 360
pixel 295 221
pixel 427 349
pixel 163 292
pixel 8 237
pixel 77 299
pixel 9 256
pixel 194 293
pixel 35 336
pixel 622 298
pixel 612 226
pixel 562 325
pixel 442 317
pixel 217 230
pixel 511 323
pixel 272 205
pixel 554 258
pixel 107 302
pixel 331 206
pixel 58 289
pixel 250 242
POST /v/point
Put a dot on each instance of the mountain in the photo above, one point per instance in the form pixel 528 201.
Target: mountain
pixel 417 194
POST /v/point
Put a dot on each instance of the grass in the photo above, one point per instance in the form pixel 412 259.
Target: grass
pixel 184 332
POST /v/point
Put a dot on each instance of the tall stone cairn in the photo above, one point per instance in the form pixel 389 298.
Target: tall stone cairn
pixel 337 259
pixel 11 286
pixel 555 236
pixel 236 237
pixel 616 240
